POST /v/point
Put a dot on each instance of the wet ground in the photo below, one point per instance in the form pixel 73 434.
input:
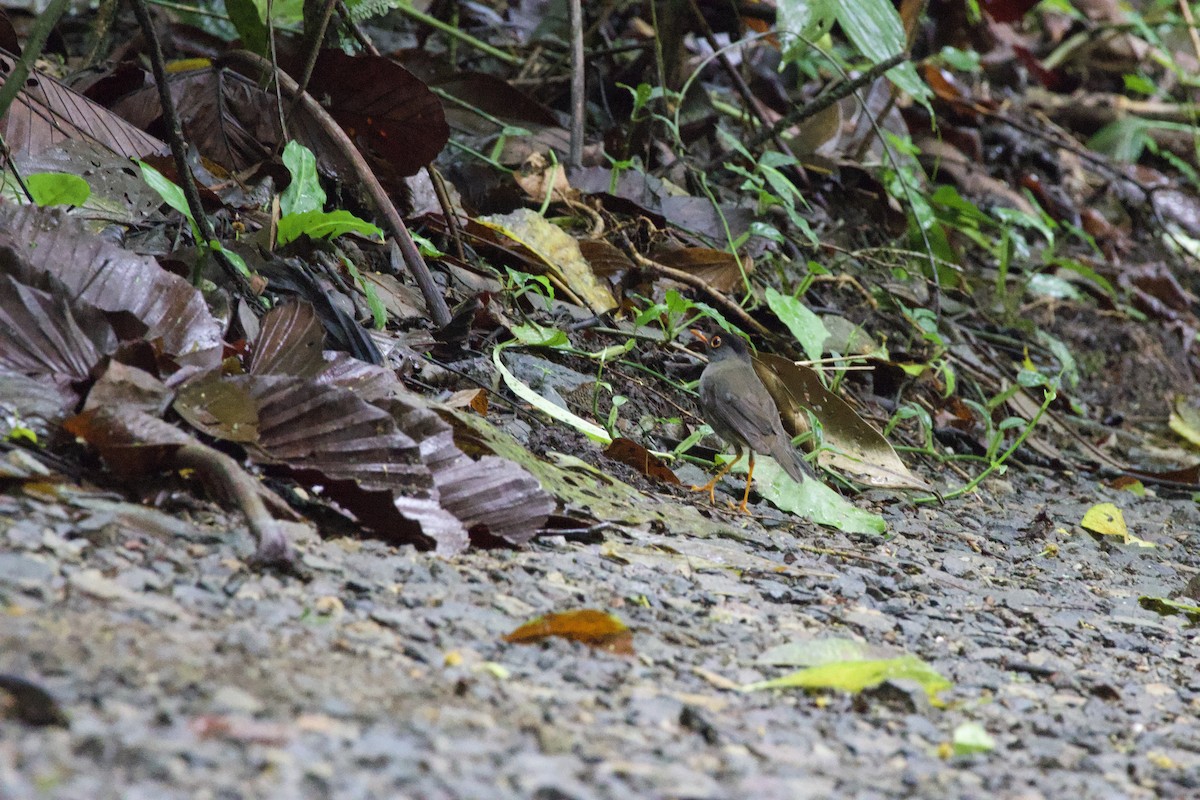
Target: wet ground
pixel 187 674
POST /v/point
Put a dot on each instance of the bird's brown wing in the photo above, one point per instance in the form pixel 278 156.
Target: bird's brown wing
pixel 740 404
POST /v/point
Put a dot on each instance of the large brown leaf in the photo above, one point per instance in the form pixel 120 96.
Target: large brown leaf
pixel 383 105
pixel 163 306
pixel 46 114
pixel 48 336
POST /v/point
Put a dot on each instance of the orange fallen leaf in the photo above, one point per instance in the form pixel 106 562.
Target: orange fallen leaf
pixel 637 456
pixel 594 628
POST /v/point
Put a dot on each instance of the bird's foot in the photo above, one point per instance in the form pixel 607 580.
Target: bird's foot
pixel 711 488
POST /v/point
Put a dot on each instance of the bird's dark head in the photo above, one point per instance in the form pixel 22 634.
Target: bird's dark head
pixel 721 346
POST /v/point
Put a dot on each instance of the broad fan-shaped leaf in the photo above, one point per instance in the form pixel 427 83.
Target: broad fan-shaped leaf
pixel 46 113
pixel 114 280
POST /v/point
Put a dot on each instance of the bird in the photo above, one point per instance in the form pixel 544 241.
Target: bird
pixel 739 409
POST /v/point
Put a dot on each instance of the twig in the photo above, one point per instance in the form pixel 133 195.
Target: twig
pixel 824 101
pixel 578 85
pixel 728 306
pixel 752 103
pixel 448 212
pixel 434 302
pixel 1186 10
pixel 222 472
pixel 450 30
pixel 179 154
pixel 314 36
pixel 356 30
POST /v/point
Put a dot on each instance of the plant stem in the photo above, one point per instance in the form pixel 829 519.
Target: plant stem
pixel 992 467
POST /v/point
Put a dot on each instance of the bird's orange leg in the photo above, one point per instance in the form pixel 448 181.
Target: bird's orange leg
pixel 749 478
pixel 711 486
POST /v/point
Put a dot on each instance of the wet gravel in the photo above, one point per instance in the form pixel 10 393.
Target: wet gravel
pixel 382 673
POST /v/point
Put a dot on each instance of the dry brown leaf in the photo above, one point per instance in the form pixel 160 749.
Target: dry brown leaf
pixel 854 446
pixel 589 626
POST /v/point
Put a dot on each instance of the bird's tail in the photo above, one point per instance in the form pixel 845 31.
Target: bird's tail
pixel 790 459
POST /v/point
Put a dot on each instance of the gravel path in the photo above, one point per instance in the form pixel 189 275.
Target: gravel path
pixel 186 674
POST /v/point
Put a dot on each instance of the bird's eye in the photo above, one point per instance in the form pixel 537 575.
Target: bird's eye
pixel 715 342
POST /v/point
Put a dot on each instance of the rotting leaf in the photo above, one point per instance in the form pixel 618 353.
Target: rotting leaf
pixel 290 342
pixel 50 335
pixel 559 253
pixel 30 703
pixel 606 260
pixel 540 179
pixel 640 194
pixel 718 268
pixel 851 444
pixel 219 407
pixel 385 105
pixel 474 399
pixel 134 444
pixel 46 113
pixel 31 405
pixel 637 456
pixel 378 450
pixel 591 627
pixel 125 386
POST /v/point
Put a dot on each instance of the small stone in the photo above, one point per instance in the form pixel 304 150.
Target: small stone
pixel 24 571
pixel 232 700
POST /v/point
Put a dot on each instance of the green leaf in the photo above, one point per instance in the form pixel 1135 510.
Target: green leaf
pixel 323 225
pixel 1053 286
pixel 874 27
pixel 533 335
pixel 805 326
pixel 304 193
pixel 170 193
pixel 248 20
pixel 550 409
pixel 238 262
pixel 810 19
pixel 427 248
pixel 815 652
pixel 378 310
pixel 1124 139
pixel 1167 606
pixel 57 189
pixel 811 499
pixel 970 737
pixel 1139 84
pixel 854 676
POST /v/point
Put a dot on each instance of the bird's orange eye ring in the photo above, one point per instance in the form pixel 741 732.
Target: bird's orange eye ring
pixel 715 342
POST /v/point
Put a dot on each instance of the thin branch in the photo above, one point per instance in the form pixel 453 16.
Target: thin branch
pixel 824 101
pixel 179 154
pixel 251 63
pixel 578 85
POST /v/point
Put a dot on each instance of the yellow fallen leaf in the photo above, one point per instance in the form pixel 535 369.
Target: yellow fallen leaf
pixel 1105 519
